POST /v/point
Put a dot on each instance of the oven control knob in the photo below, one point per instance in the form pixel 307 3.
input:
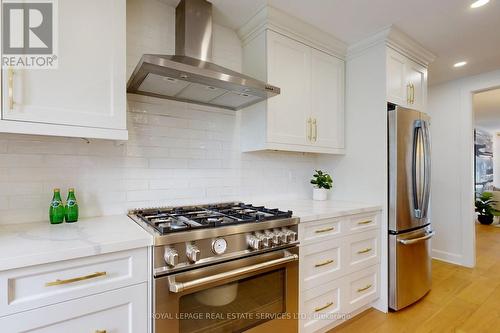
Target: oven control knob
pixel 193 253
pixel 266 239
pixel 254 242
pixel 275 238
pixel 171 256
pixel 281 236
pixel 291 236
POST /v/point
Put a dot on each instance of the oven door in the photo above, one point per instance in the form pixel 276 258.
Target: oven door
pixel 253 294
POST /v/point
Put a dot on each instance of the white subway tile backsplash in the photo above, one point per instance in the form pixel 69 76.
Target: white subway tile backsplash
pixel 168 163
pixel 205 164
pixel 177 153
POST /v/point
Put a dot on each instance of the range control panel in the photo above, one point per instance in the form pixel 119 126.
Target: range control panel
pixel 203 251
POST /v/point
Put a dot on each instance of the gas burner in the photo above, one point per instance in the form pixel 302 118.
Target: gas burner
pixel 169 220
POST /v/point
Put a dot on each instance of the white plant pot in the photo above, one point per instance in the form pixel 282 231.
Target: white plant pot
pixel 320 194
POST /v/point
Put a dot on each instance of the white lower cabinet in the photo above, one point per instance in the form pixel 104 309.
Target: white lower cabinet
pixel 322 306
pixel 119 311
pixel 105 293
pixel 362 288
pixel 339 269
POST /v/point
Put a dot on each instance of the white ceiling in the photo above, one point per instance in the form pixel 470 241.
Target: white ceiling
pixel 487 110
pixel 448 28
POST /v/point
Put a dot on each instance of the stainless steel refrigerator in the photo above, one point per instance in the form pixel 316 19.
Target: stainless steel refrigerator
pixel 409 193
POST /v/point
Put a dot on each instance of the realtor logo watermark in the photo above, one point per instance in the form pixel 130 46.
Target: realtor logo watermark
pixel 29 34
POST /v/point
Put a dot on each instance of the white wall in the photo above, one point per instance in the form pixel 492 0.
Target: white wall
pixel 450 106
pixel 361 175
pixel 177 153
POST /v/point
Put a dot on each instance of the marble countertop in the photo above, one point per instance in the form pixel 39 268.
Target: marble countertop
pixel 29 244
pixel 310 210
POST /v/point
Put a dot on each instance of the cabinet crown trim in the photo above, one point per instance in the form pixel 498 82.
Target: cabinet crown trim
pixel 271 18
pixel 397 40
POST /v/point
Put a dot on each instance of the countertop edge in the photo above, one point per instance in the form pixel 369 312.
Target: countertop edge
pixel 71 254
pixel 309 217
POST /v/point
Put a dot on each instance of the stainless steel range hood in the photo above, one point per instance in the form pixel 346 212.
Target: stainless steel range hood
pixel 189 75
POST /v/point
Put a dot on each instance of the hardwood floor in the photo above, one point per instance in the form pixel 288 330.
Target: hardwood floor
pixel 461 299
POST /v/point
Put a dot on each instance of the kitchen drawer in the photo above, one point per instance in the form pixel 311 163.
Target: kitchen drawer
pixel 31 287
pixel 320 263
pixel 362 222
pixel 123 310
pixel 320 230
pixel 321 306
pixel 362 288
pixel 361 250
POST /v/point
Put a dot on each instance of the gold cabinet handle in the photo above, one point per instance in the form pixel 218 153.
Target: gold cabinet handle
pixel 408 93
pixel 315 124
pixel 412 93
pixel 10 79
pixel 368 249
pixel 326 306
pixel 319 231
pixel 365 222
pixel 364 288
pixel 309 129
pixel 80 278
pixel 324 263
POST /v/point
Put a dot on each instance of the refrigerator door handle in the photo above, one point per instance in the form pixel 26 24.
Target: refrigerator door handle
pixel 417 181
pixel 427 169
pixel 416 240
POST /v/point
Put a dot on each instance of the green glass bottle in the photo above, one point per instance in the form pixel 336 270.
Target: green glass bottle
pixel 71 207
pixel 56 210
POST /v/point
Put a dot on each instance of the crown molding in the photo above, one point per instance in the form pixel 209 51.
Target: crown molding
pixel 396 39
pixel 273 19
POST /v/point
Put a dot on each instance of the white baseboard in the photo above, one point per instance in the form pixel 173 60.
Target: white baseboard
pixel 381 305
pixel 452 258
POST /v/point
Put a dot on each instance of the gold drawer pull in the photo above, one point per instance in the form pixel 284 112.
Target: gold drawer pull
pixel 100 331
pixel 365 222
pixel 324 230
pixel 324 263
pixel 326 306
pixel 364 288
pixel 80 278
pixel 365 250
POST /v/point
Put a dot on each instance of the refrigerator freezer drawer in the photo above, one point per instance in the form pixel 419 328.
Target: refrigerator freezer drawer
pixel 409 267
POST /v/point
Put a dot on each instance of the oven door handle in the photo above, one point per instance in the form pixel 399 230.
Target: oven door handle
pixel 177 287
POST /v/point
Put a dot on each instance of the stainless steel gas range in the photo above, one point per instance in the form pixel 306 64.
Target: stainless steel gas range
pixel 228 267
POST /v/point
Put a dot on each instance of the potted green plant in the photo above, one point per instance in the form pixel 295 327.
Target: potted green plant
pixel 484 209
pixel 322 183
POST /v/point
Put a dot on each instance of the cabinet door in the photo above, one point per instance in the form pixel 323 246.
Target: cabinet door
pixel 327 91
pixel 123 311
pixel 88 87
pixel 416 75
pixel 397 85
pixel 289 67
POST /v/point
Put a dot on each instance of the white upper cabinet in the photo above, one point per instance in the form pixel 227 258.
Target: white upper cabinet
pixel 288 67
pixel 85 95
pixel 416 76
pixel 327 91
pixel 308 114
pixel 406 81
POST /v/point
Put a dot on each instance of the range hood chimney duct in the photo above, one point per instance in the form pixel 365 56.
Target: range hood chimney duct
pixel 193 29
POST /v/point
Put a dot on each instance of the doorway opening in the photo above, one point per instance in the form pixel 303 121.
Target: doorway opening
pixel 486 110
